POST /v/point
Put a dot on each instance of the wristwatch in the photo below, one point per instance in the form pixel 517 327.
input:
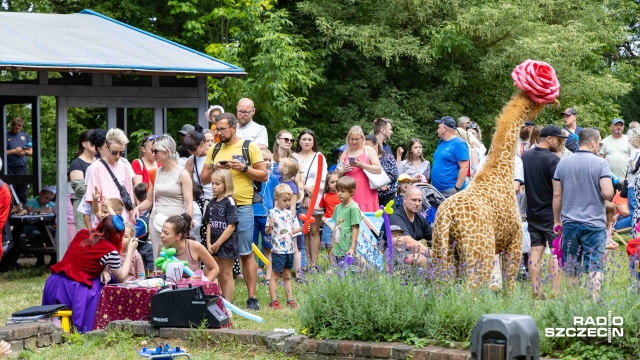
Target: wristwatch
pixel 246 167
pixel 457 188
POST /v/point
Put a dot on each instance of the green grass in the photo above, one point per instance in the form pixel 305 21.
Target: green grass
pixel 122 345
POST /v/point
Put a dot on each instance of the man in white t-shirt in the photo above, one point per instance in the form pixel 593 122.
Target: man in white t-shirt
pixel 616 149
pixel 247 128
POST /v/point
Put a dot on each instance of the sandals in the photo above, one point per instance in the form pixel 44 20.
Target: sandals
pixel 261 274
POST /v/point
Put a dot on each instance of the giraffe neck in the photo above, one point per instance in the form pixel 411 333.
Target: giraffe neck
pixel 498 168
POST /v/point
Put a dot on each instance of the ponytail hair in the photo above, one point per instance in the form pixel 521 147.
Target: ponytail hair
pixel 181 224
pixel 106 230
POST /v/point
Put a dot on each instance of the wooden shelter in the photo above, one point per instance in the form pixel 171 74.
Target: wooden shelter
pixel 90 54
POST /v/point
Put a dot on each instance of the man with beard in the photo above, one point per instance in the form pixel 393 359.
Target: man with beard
pixel 229 155
pixel 616 149
pixel 524 138
pixel 539 166
pixel 571 126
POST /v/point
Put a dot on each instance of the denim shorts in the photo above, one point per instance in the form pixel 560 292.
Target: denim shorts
pixel 259 226
pixel 245 229
pixel 326 235
pixel 583 244
pixel 280 262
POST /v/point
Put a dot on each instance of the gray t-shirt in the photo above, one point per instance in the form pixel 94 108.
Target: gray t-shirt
pixel 582 200
pixel 617 153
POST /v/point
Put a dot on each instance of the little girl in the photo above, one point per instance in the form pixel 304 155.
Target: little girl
pixel 136 271
pixel 327 203
pixel 291 176
pixel 221 218
pixel 612 213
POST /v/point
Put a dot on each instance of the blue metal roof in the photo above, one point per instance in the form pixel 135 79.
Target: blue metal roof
pixel 91 42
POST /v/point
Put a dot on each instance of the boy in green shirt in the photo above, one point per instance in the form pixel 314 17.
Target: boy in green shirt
pixel 347 217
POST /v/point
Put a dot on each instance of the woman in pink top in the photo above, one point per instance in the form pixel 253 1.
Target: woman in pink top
pixel 356 158
pixel 98 175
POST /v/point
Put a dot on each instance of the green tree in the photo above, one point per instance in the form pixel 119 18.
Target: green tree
pixel 253 34
pixel 416 61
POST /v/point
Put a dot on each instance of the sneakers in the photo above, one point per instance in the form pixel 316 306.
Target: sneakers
pixel 275 305
pixel 292 304
pixel 252 304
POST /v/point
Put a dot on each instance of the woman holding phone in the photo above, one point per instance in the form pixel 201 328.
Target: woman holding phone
pixel 357 157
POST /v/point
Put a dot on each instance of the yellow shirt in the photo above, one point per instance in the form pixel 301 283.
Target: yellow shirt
pixel 242 183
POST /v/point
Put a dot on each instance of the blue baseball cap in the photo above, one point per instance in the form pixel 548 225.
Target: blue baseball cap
pixel 341 148
pixel 617 121
pixel 447 121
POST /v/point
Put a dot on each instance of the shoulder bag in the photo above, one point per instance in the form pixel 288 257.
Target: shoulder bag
pixel 126 198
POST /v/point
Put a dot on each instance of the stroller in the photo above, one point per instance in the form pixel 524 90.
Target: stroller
pixel 431 200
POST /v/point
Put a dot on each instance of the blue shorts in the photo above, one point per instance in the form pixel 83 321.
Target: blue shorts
pixel 259 225
pixel 245 229
pixel 583 243
pixel 326 235
pixel 280 262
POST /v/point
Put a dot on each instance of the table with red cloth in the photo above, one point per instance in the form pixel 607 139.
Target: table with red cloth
pixel 132 303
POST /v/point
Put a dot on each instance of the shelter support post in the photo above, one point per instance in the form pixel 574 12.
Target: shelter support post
pixel 61 175
pixel 203 100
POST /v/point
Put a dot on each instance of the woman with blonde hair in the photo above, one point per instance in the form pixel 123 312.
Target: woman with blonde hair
pixel 281 149
pixel 172 193
pixel 356 158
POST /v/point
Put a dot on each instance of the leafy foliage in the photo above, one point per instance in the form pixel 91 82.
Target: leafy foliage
pixel 412 307
pixel 417 61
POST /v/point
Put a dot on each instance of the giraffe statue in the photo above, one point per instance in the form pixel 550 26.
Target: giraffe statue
pixel 483 220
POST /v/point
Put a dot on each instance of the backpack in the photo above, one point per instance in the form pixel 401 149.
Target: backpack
pixel 257 185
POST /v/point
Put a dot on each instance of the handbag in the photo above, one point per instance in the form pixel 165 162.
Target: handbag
pixel 624 187
pixel 197 185
pixel 377 181
pixel 124 195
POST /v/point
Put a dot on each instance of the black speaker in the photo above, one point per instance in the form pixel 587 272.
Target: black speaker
pixel 186 307
pixel 505 337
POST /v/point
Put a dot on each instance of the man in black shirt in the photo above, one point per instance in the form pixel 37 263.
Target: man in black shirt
pixel 539 167
pixel 414 226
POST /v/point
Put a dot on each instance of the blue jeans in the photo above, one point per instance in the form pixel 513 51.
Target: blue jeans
pixel 245 229
pixel 583 243
pixel 623 223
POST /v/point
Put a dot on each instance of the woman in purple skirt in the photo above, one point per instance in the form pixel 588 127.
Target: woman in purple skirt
pixel 75 280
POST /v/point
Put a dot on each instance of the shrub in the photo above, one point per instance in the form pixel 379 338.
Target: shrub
pixel 372 306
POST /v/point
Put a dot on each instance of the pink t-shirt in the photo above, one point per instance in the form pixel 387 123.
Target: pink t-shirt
pixel 98 176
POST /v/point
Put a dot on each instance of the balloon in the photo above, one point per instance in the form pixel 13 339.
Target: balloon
pixel 385 212
pixel 244 314
pixel 259 254
pixel 308 217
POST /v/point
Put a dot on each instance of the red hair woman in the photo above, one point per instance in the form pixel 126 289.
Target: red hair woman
pixel 75 280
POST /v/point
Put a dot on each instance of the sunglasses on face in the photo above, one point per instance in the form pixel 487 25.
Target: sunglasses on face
pixel 155 151
pixel 288 140
pixel 116 153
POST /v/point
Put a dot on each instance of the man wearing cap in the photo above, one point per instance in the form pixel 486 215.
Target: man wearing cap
pixel 383 129
pixel 247 128
pixel 184 130
pixel 571 126
pixel 524 139
pixel 539 167
pixel 450 160
pixel 581 184
pixel 616 149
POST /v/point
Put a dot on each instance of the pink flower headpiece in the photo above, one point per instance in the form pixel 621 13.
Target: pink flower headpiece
pixel 538 80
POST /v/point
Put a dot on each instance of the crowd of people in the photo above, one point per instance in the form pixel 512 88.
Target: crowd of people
pixel 218 191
